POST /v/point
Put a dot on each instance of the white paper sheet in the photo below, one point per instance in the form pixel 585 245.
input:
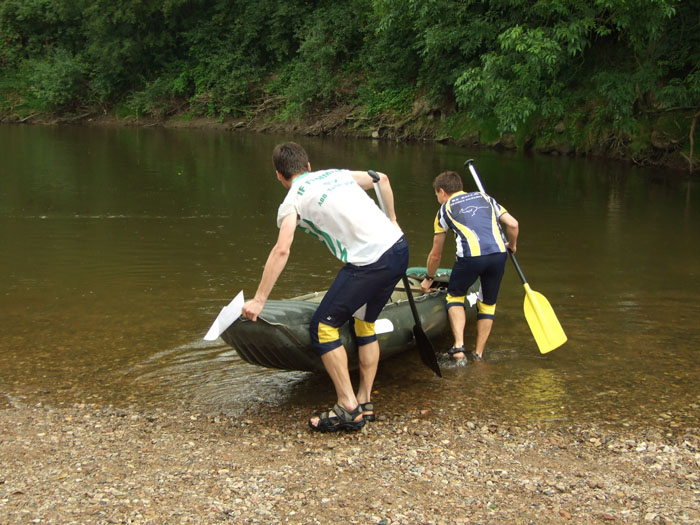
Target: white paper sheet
pixel 226 317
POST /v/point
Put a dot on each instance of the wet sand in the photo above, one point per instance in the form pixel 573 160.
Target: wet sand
pixel 100 464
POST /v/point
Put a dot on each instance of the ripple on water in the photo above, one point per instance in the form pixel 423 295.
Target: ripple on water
pixel 212 376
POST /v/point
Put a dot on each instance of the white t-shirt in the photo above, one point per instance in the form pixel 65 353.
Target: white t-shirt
pixel 332 207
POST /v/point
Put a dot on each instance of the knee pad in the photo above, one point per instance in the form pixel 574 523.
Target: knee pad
pixel 485 311
pixel 364 332
pixel 324 337
pixel 454 300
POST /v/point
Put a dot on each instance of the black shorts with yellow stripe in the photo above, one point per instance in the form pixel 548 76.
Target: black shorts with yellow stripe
pixel 466 270
pixel 358 293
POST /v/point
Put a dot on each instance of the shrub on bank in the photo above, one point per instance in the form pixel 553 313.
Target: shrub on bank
pixel 563 75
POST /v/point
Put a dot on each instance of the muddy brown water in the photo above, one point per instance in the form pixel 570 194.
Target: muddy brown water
pixel 119 247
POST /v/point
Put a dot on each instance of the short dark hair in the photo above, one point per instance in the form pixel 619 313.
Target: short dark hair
pixel 450 181
pixel 290 159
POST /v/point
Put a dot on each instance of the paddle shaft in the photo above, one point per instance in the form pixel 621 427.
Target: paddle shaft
pixel 475 176
pixel 407 285
pixel 425 346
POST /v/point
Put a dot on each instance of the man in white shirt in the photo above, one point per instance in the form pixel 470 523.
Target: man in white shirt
pixel 333 206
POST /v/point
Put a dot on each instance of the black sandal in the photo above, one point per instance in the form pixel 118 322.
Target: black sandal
pixel 455 350
pixel 342 419
pixel 368 407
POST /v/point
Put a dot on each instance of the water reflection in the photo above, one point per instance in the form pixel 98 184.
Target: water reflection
pixel 120 246
pixel 541 396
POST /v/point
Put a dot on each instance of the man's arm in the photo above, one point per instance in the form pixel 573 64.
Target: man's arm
pixel 276 262
pixel 366 183
pixel 434 258
pixel 511 230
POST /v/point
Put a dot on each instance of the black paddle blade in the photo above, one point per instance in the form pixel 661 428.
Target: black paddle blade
pixel 426 351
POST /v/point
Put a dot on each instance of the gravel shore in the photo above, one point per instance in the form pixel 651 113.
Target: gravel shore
pixel 100 464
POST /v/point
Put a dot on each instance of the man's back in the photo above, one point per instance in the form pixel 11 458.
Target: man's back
pixel 473 217
pixel 334 208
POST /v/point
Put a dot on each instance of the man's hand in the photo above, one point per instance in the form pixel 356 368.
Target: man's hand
pixel 425 284
pixel 252 309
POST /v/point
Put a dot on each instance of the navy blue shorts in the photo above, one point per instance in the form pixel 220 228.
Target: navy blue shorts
pixel 360 292
pixel 466 270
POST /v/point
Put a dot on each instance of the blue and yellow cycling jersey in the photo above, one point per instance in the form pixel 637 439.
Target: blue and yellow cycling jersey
pixel 474 221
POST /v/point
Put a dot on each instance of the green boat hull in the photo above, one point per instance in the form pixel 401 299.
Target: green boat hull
pixel 280 338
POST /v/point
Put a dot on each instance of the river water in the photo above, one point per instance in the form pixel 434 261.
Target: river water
pixel 120 246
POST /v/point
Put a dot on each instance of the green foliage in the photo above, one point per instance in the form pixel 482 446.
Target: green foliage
pixel 128 43
pixel 57 82
pixel 600 69
pixel 32 28
pixel 451 36
pixel 458 125
pixel 516 81
pixel 398 100
pixel 680 59
pixel 391 54
pixel 559 52
pixel 525 71
pixel 234 47
pixel 325 70
pixel 11 87
pixel 426 43
pixel 155 99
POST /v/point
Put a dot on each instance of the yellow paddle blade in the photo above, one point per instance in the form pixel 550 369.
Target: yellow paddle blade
pixel 543 322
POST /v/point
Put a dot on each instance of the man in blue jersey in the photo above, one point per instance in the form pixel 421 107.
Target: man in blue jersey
pixel 477 222
pixel 333 206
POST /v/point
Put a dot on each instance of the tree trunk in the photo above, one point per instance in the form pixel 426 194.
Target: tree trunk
pixel 692 140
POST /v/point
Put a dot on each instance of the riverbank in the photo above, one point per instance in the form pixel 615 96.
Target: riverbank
pixel 660 145
pixel 101 464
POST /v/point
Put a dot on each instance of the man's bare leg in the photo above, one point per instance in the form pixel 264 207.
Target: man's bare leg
pixel 336 364
pixel 369 360
pixel 458 320
pixel 483 330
